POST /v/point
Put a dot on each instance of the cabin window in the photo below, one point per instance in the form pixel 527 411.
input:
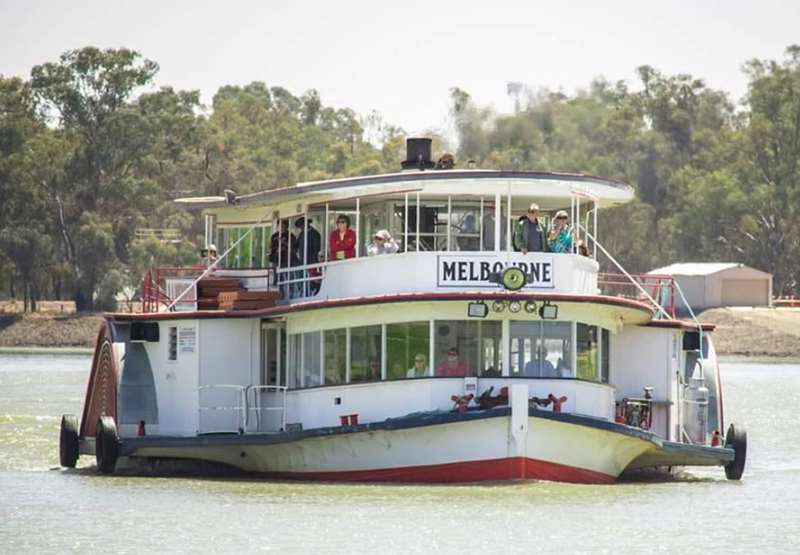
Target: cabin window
pixel 407 348
pixel 541 349
pixel 467 348
pixel 312 361
pixel 294 366
pixel 587 351
pixel 365 353
pixel 335 356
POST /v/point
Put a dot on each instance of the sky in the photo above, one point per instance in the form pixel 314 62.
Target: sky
pixel 402 58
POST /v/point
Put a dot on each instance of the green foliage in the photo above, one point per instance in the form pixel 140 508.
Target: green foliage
pixel 91 152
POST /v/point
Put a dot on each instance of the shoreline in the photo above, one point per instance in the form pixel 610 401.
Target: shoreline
pixel 753 333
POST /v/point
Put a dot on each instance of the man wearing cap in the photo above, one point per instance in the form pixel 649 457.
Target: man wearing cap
pixel 382 243
pixel 529 235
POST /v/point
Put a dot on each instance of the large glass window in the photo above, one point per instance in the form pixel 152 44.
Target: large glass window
pixel 365 353
pixel 294 361
pixel 335 356
pixel 407 347
pixel 311 358
pixel 605 354
pixel 467 348
pixel 587 351
pixel 541 349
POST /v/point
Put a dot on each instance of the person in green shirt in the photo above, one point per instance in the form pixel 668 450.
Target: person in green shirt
pixel 529 234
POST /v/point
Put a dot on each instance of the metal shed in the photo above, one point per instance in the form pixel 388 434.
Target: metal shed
pixel 709 285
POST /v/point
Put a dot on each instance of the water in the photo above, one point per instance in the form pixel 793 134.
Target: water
pixel 46 509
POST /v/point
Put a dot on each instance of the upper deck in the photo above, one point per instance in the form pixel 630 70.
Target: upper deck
pixel 451 230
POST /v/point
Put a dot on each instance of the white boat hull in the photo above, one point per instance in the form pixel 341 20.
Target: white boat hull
pixel 480 449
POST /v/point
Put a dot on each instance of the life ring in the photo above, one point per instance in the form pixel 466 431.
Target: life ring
pixel 68 442
pixel 106 445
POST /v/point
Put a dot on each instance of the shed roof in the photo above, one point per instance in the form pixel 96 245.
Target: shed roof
pixel 696 268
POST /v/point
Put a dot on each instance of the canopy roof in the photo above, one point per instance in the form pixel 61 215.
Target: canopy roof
pixel 542 186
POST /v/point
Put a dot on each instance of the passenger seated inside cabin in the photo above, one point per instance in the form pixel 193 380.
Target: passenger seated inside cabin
pixel 452 366
pixel 561 236
pixel 529 234
pixel 540 367
pixel 374 373
pixel 342 241
pixel 420 367
pixel 382 243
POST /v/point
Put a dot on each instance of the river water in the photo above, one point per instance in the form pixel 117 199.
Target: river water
pixel 47 509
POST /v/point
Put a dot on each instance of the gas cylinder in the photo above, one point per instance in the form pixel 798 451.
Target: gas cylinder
pixel 695 402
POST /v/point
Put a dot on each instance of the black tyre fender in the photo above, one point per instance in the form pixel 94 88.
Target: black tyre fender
pixel 736 439
pixel 68 443
pixel 106 445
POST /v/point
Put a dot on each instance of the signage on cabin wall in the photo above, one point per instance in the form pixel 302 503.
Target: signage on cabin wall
pixel 187 340
pixel 476 271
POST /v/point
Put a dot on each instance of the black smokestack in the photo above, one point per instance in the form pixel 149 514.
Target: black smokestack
pixel 418 154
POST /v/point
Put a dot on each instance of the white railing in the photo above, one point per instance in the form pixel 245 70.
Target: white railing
pixel 258 411
pixel 221 408
pixel 225 408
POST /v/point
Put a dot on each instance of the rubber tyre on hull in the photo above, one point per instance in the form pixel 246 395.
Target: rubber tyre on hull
pixel 106 445
pixel 736 439
pixel 68 444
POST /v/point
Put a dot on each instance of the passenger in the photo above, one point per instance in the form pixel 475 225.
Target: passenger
pixel 283 247
pixel 529 235
pixel 420 367
pixel 211 255
pixel 342 242
pixel 446 162
pixel 582 250
pixel 540 367
pixel 382 243
pixel 374 372
pixel 561 237
pixel 452 366
pixel 313 243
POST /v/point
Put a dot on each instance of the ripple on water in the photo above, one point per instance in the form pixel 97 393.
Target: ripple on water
pixel 88 511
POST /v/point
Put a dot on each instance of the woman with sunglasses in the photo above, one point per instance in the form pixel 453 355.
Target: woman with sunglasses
pixel 342 240
pixel 561 237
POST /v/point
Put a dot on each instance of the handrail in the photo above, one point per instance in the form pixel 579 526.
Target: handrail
pixel 627 275
pixel 240 408
pixel 243 407
pixel 279 389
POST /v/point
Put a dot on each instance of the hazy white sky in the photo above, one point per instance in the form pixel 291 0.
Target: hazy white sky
pixel 401 58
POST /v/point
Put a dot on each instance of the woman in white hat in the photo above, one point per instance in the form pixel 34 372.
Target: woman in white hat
pixel 561 237
pixel 382 243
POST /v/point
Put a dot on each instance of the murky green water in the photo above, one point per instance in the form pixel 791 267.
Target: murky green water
pixel 46 509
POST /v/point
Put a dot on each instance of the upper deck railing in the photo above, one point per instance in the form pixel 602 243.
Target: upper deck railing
pixel 408 273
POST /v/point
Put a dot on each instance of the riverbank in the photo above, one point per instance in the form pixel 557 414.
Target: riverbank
pixel 747 332
pixel 48 330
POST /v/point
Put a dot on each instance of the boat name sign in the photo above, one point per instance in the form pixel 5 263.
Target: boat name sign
pixel 476 271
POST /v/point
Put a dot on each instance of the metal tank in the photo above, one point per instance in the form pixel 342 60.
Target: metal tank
pixel 695 402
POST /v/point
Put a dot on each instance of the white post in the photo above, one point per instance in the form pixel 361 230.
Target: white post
pixel 347 356
pixel 358 229
pixel 418 221
pixel 449 219
pixel 505 334
pixel 405 225
pixel 480 228
pixel 383 352
pixel 498 213
pixel 431 347
pixel 508 220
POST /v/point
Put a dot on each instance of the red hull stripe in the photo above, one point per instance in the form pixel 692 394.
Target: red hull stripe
pixel 512 468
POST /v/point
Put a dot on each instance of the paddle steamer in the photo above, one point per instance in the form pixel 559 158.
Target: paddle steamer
pixel 457 358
